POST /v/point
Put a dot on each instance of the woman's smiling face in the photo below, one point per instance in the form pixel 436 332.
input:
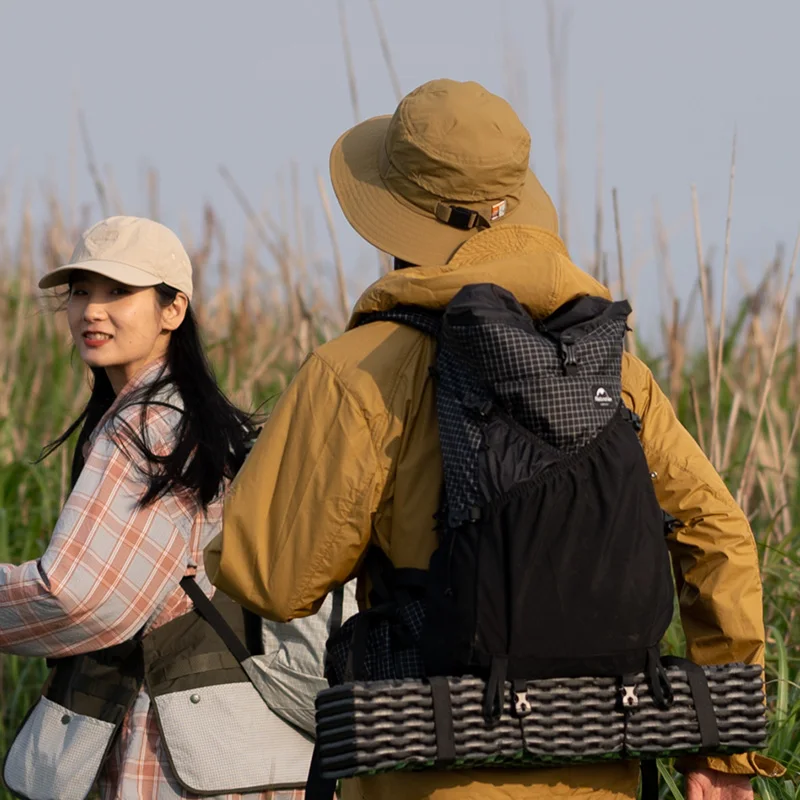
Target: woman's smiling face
pixel 119 328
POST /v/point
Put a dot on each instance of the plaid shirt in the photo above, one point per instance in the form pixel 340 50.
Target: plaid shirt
pixel 111 569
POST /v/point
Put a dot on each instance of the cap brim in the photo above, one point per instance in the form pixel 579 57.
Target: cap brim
pixel 397 228
pixel 123 273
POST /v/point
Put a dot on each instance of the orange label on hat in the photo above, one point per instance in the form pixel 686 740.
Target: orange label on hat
pixel 498 210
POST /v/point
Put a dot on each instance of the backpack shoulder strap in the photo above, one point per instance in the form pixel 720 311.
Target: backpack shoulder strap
pixel 424 320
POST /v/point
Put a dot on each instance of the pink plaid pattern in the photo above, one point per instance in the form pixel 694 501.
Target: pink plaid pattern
pixel 111 569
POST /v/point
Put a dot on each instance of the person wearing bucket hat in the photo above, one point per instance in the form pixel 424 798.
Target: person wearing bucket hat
pixel 451 162
pixel 108 603
pixel 350 459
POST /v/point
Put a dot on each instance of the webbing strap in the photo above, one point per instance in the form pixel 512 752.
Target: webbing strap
pixel 657 678
pixel 649 779
pixel 317 787
pixel 495 689
pixel 337 609
pixel 701 696
pixel 208 611
pixel 443 721
pixel 183 666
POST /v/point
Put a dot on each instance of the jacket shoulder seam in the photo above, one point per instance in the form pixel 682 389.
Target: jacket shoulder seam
pixel 393 388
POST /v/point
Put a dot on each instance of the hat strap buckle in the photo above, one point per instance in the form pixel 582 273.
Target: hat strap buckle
pixel 459 217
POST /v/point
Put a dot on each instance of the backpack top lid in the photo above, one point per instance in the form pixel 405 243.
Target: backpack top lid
pixel 557 378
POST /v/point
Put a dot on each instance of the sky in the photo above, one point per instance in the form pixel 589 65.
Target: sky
pixel 257 86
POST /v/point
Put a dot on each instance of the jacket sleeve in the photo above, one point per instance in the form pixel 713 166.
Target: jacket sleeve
pixel 298 515
pixel 714 553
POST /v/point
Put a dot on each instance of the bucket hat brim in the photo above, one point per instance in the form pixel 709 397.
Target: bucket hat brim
pixel 396 226
pixel 115 270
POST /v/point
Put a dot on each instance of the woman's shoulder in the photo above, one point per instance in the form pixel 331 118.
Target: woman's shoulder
pixel 157 418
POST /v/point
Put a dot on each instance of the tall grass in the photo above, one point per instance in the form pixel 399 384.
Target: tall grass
pixel 739 396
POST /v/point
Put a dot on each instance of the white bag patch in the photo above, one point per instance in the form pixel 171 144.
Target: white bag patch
pixel 57 753
pixel 224 739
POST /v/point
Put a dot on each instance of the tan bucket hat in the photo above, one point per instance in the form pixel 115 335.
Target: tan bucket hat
pixel 451 161
pixel 132 250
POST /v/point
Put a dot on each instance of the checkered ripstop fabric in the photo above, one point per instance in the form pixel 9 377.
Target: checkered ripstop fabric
pixel 392 648
pixel 519 371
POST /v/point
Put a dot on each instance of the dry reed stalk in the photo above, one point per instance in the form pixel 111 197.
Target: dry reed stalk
pixel 91 164
pixel 715 444
pixel 348 62
pixel 113 192
pixel 698 418
pixel 300 247
pixel 200 258
pixel 73 161
pixel 676 355
pixel 707 313
pixel 386 50
pixel 557 39
pixel 677 327
pixel 279 252
pixel 285 261
pixel 790 444
pixel 598 197
pixel 265 363
pixel 630 341
pixel 773 457
pixel 5 248
pixel 769 505
pixel 14 352
pixel 730 431
pixel 225 293
pixel 341 283
pixel 302 335
pixel 767 385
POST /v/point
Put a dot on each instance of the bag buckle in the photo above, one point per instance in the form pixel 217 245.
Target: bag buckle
pixel 521 705
pixel 627 692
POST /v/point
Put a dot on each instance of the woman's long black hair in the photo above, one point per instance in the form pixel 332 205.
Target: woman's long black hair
pixel 213 435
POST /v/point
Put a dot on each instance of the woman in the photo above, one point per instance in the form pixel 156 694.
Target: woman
pixel 158 444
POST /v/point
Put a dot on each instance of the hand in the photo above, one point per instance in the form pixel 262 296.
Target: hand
pixel 708 784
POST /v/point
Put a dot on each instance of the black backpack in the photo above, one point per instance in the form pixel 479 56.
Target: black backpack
pixel 552 560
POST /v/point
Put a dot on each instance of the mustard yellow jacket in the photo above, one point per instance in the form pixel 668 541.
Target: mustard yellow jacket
pixel 350 456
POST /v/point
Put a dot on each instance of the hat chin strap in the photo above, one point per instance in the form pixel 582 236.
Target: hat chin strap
pixel 464 219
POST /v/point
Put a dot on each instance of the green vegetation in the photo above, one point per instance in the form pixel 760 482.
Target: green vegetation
pixel 257 334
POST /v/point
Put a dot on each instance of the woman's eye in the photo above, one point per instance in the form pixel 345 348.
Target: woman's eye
pixel 77 292
pixel 120 290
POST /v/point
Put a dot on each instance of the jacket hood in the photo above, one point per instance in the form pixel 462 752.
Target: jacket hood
pixel 532 263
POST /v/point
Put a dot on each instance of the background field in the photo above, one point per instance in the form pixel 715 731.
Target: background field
pixel 725 347
pixel 258 330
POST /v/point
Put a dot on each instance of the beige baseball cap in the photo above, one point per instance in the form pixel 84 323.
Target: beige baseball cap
pixel 452 160
pixel 132 250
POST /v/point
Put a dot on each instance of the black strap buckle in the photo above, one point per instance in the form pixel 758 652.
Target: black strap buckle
pixel 464 219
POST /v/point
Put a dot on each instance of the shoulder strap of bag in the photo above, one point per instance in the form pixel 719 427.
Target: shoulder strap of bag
pixel 211 615
pixel 317 787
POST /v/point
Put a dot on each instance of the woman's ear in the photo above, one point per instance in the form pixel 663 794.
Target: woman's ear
pixel 173 315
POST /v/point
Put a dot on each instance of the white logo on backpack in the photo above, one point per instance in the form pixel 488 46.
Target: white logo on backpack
pixel 602 397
